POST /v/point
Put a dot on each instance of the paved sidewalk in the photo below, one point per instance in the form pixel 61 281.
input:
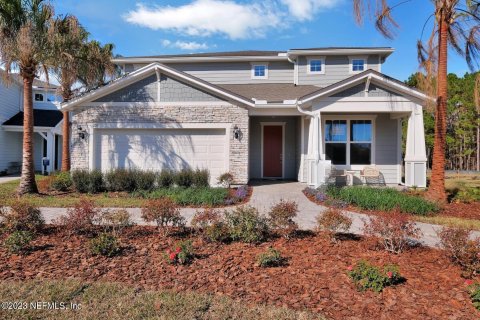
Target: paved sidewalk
pixel 265 194
pixel 6 179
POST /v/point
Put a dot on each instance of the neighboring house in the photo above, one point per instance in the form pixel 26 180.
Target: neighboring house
pixel 258 114
pixel 47 125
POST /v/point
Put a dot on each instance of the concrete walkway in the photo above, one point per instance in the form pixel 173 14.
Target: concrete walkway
pixel 9 178
pixel 265 194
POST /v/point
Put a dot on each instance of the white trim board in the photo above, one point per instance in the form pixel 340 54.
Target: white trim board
pixel 262 126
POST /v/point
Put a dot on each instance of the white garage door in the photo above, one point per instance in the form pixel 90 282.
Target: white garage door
pixel 155 149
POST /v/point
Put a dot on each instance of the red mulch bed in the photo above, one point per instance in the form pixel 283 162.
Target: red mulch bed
pixel 315 277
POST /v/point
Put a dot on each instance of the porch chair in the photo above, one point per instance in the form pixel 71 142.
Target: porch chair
pixel 370 174
pixel 336 173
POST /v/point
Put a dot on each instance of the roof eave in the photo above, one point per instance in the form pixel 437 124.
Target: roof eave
pixel 383 52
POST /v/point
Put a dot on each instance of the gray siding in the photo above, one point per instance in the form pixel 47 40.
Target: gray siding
pixel 359 91
pixel 336 69
pixel 291 150
pixel 173 90
pixel 145 90
pixel 232 72
pixel 10 142
pixel 386 145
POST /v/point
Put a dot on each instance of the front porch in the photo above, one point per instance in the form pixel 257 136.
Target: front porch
pixel 335 147
pixel 47 140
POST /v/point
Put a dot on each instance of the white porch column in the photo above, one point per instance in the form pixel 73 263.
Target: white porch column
pixel 416 156
pixel 51 151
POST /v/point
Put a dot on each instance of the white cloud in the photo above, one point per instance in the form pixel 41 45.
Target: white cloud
pixel 184 45
pixel 208 17
pixel 306 9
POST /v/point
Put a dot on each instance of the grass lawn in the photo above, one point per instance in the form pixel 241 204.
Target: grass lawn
pixel 192 196
pixel 101 300
pixel 454 182
pixel 451 222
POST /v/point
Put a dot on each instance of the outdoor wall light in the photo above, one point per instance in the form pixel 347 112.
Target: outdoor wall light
pixel 81 133
pixel 236 133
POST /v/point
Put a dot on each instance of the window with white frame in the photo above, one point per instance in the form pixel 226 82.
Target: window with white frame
pixel 259 71
pixel 316 66
pixel 358 64
pixel 349 142
pixel 38 96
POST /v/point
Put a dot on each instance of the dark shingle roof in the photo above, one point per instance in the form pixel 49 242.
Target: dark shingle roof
pixel 345 48
pixel 272 92
pixel 41 118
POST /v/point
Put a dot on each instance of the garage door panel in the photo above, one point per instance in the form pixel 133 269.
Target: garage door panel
pixel 156 149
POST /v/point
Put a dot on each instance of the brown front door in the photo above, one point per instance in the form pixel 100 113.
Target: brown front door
pixel 272 151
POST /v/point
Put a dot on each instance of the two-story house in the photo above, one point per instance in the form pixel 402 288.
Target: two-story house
pixel 294 114
pixel 47 125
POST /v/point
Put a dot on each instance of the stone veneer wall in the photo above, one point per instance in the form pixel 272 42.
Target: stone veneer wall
pixel 89 116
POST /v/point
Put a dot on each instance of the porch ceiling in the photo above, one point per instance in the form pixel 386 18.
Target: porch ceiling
pixel 41 118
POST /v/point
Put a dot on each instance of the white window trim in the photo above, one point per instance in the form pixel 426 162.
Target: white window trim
pixel 322 59
pixel 350 64
pixel 252 73
pixel 43 97
pixel 348 166
pixel 262 126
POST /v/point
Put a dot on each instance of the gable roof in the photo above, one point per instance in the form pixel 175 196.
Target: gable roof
pixel 271 92
pixel 151 69
pixel 381 78
pixel 41 118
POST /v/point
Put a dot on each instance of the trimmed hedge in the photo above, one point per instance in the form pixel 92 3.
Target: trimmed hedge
pixel 190 196
pixel 384 199
pixel 119 180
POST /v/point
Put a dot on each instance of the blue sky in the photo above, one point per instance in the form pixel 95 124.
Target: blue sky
pixel 151 27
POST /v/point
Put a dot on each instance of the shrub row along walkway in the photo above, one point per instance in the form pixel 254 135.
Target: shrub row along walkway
pixel 265 194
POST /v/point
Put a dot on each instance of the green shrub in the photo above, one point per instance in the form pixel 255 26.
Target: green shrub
pixel 474 291
pixel 18 241
pixel 105 244
pixel 468 195
pixel 144 180
pixel 201 178
pixel 21 217
pixel 85 181
pixel 120 180
pixel 210 225
pixel 116 220
pixel 366 276
pixel 166 178
pixel 383 199
pixel 81 218
pixel 270 258
pixel 333 221
pixel 183 253
pixel 247 225
pixel 62 181
pixel 280 218
pixel 226 179
pixel 184 178
pixel 164 212
pixel 191 196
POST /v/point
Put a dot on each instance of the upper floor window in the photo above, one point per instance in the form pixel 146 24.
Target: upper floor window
pixel 316 65
pixel 358 64
pixel 39 97
pixel 259 71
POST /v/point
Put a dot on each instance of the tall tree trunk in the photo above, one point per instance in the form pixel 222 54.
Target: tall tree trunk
pixel 27 181
pixel 436 190
pixel 478 147
pixel 66 142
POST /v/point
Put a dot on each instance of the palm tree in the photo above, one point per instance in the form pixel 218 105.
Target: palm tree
pixel 76 61
pixel 456 24
pixel 25 44
pixel 68 41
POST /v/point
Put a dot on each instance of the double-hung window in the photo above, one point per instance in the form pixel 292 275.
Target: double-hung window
pixel 259 71
pixel 349 142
